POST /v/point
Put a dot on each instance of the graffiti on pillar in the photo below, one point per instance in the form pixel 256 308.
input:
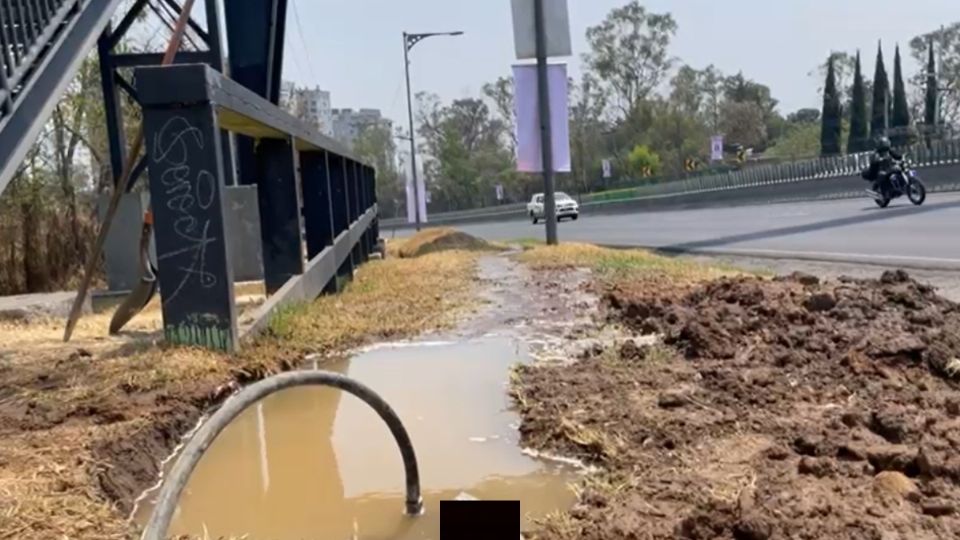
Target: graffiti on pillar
pixel 190 194
pixel 196 284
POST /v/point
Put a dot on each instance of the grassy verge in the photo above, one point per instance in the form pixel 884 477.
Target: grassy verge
pixel 619 264
pixel 83 424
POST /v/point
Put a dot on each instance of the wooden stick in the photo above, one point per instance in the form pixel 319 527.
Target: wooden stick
pixel 121 187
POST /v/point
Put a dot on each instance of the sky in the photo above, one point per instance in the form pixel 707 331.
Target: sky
pixel 353 48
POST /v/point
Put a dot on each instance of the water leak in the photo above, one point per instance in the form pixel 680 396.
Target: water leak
pixel 316 463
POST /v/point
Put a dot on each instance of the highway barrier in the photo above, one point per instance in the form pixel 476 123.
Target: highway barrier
pixel 814 179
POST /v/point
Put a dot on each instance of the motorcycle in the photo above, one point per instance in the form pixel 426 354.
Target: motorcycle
pixel 902 180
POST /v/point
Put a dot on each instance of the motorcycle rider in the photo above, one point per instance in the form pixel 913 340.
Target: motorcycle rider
pixel 881 165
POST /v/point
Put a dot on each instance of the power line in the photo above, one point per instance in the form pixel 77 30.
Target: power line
pixel 303 42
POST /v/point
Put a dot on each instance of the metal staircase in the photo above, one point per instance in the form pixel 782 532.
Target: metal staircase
pixel 42 44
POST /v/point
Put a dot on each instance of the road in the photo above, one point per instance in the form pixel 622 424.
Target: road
pixel 852 230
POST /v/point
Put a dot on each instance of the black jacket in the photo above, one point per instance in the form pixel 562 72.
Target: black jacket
pixel 881 163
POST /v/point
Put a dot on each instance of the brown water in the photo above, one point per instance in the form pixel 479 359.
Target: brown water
pixel 314 463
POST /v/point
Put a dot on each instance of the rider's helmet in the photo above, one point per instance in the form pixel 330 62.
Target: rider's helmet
pixel 883 144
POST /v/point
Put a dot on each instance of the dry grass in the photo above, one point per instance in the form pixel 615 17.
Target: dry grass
pixel 621 263
pixel 49 463
pixel 390 299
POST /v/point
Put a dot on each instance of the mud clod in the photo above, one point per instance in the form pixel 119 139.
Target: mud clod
pixel 672 400
pixel 816 467
pixel 753 528
pixel 938 508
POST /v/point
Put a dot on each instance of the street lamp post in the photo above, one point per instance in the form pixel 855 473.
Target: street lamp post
pixel 409 40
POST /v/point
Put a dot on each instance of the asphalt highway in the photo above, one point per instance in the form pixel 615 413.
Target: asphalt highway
pixel 850 230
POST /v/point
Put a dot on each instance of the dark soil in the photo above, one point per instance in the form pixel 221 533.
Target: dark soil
pixel 784 408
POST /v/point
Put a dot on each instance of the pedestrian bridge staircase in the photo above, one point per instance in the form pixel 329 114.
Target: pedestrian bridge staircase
pixel 43 43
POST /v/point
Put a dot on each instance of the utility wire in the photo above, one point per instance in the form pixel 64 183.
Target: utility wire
pixel 303 42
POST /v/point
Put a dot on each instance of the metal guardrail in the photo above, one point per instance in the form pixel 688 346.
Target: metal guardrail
pixel 937 154
pixel 184 109
pixel 42 44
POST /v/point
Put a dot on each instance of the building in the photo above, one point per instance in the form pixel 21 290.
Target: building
pixel 348 123
pixel 309 105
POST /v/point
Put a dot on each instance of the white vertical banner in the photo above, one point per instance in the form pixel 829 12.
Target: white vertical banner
pixel 411 209
pixel 422 192
pixel 716 148
pixel 529 156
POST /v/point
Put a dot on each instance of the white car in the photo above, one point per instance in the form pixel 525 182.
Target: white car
pixel 566 207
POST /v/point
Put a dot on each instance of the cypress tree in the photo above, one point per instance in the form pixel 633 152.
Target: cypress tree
pixel 858 114
pixel 901 111
pixel 930 108
pixel 881 102
pixel 831 119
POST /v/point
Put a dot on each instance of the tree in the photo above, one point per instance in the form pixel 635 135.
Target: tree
pixel 930 96
pixel 881 98
pixel 628 53
pixel 845 67
pixel 699 93
pixel 739 89
pixel 587 131
pixel 375 143
pixel 500 92
pixel 901 113
pixel 643 161
pixel 464 153
pixel 801 141
pixel 676 136
pixel 804 116
pixel 832 117
pixel 946 41
pixel 743 123
pixel 858 140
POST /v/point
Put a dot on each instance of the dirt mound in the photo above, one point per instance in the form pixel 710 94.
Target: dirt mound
pixel 787 408
pixel 798 321
pixel 442 239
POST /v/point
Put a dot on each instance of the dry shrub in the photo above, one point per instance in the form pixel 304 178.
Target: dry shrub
pixel 43 249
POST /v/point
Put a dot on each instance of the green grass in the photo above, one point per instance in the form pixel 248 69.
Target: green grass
pixel 620 262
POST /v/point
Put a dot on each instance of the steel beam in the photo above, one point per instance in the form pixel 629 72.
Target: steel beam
pixel 186 191
pixel 317 209
pixel 317 206
pixel 255 37
pixel 341 210
pixel 116 139
pixel 154 59
pixel 278 191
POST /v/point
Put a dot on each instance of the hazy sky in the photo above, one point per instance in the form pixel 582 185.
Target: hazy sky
pixel 354 47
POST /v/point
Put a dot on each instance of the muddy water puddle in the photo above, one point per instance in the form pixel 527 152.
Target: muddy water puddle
pixel 316 463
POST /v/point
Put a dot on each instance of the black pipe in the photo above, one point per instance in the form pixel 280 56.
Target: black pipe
pixel 173 486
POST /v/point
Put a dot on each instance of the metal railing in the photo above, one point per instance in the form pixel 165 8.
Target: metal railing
pixel 27 28
pixel 42 44
pixel 938 153
pixel 312 193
